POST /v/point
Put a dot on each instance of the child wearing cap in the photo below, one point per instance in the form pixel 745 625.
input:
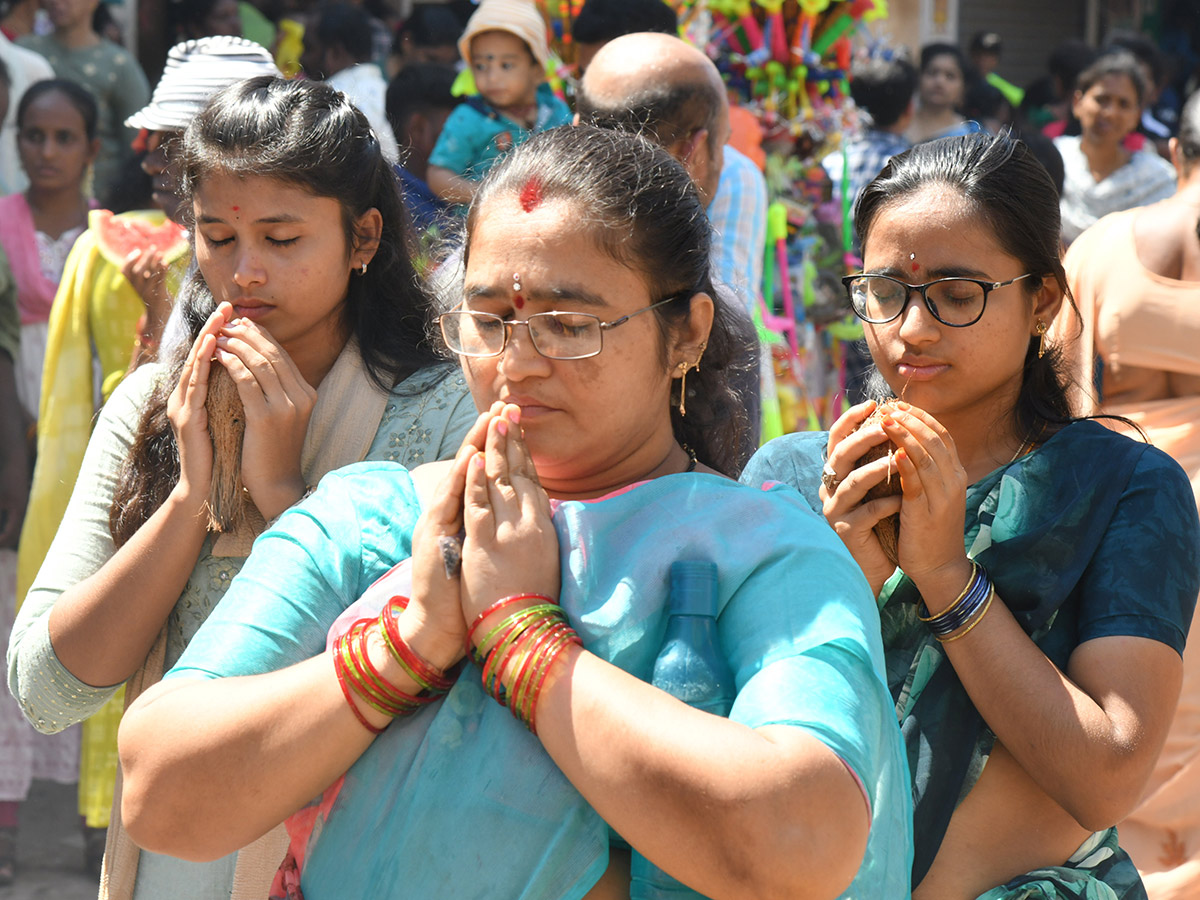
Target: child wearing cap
pixel 505 46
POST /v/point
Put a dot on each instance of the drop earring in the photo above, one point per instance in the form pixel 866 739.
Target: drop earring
pixel 362 269
pixel 1041 332
pixel 683 370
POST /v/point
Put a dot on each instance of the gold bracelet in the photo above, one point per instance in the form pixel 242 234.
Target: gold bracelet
pixel 979 618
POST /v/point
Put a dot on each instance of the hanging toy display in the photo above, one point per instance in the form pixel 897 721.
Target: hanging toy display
pixel 788 63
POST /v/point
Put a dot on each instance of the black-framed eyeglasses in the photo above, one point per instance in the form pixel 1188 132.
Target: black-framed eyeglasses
pixel 957 302
pixel 555 335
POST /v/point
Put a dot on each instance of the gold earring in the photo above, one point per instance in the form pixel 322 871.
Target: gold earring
pixel 683 370
pixel 1041 329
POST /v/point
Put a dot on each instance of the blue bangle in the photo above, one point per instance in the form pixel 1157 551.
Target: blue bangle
pixel 974 598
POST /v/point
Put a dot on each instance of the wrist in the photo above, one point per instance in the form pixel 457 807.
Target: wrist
pixel 279 498
pixel 440 650
pixel 942 586
pixel 186 501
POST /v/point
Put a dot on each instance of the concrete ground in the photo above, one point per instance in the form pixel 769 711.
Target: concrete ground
pixel 50 848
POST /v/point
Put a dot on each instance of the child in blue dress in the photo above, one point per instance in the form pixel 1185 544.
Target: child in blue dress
pixel 505 46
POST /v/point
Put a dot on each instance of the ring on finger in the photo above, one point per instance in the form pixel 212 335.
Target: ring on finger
pixel 829 478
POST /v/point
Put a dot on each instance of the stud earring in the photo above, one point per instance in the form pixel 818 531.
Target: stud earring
pixel 1041 329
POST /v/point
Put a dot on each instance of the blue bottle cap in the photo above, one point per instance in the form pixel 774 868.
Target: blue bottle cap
pixel 694 587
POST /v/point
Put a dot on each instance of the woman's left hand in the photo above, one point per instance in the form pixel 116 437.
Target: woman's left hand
pixel 511 545
pixel 278 403
pixel 933 511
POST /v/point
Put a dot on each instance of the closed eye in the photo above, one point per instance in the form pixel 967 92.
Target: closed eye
pixel 282 242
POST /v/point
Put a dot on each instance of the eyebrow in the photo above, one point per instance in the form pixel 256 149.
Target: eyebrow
pixel 283 218
pixel 572 292
pixel 935 274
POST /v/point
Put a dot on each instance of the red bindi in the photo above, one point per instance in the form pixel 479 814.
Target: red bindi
pixel 531 194
pixel 236 208
pixel 916 266
pixel 519 301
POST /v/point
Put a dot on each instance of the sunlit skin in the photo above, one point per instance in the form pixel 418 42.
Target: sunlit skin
pixel 267 248
pixel 570 428
pixel 967 377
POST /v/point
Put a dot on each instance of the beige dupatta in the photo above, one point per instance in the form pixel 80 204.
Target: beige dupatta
pixel 344 420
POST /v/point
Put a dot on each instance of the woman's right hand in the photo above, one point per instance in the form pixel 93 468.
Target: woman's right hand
pixel 435 609
pixel 187 413
pixel 844 507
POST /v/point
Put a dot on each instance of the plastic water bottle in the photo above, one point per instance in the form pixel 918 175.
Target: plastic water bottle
pixel 690 667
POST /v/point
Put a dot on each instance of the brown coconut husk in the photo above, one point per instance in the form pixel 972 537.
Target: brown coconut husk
pixel 227 498
pixel 887 530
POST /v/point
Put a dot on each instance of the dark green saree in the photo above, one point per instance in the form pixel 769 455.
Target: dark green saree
pixel 1091 535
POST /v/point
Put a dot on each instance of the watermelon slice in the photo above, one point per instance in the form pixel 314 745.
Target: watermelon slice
pixel 119 235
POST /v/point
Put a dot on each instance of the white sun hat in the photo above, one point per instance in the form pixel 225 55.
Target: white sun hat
pixel 195 71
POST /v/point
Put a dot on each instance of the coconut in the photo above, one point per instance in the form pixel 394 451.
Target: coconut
pixel 227 498
pixel 887 530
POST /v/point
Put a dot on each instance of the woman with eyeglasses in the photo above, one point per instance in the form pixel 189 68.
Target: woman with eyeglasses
pixel 1042 579
pixel 360 656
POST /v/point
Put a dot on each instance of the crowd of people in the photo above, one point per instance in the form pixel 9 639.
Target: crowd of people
pixel 361 395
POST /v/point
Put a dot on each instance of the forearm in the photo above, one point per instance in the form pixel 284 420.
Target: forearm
pixel 731 811
pixel 1088 744
pixel 103 627
pixel 211 765
pixel 450 187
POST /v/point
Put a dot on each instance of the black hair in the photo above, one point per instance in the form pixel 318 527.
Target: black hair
pixel 1068 59
pixel 883 87
pixel 307 134
pixel 983 100
pixel 669 112
pixel 76 94
pixel 603 20
pixel 645 213
pixel 345 26
pixel 1047 154
pixel 1116 62
pixel 419 87
pixel 188 18
pixel 930 52
pixel 986 42
pixel 1144 50
pixel 1189 132
pixel 429 25
pixel 1008 189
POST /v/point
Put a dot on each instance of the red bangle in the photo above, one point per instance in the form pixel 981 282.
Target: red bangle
pixel 531 722
pixel 496 607
pixel 426 676
pixel 395 701
pixel 349 699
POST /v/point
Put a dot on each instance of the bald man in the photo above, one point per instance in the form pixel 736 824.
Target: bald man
pixel 666 89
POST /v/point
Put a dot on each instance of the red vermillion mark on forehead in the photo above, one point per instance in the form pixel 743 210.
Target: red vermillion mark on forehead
pixel 531 194
pixel 916 266
pixel 519 301
pixel 236 208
